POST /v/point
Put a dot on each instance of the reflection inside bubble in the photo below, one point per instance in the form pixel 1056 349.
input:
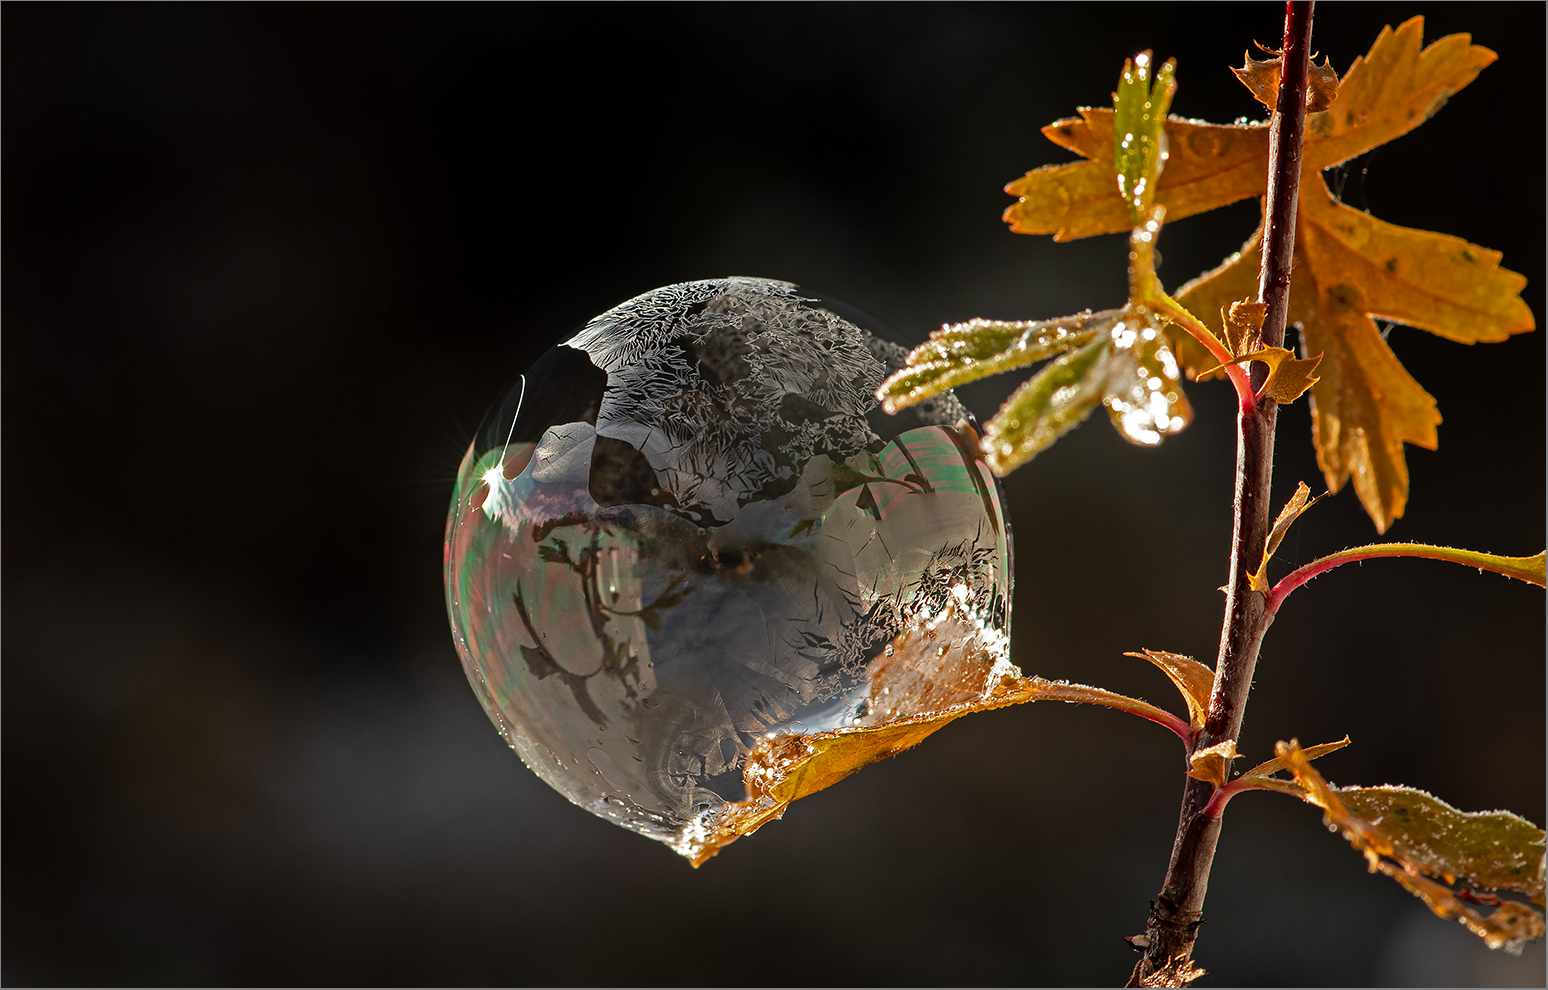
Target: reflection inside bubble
pixel 690 530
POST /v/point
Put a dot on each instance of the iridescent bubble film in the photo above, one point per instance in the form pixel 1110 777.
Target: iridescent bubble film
pixel 691 529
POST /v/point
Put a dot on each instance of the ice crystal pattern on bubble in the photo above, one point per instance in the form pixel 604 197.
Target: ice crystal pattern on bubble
pixel 691 529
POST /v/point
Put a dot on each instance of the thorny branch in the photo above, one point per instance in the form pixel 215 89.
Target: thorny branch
pixel 1177 912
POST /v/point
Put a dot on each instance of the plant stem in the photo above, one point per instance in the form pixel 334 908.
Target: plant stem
pixel 1233 371
pixel 1179 909
pixel 1528 569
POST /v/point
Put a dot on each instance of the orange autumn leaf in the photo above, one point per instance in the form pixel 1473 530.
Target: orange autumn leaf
pixel 1262 80
pixel 1298 504
pixel 1194 680
pixel 938 670
pixel 1207 166
pixel 1387 93
pixel 1350 267
pixel 1210 763
pixel 1392 89
pixel 1288 376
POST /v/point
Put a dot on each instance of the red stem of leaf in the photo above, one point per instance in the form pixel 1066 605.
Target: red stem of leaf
pixel 1246 394
pixel 1178 909
pixel 1301 575
pixel 1180 728
pixel 1306 572
pixel 1217 801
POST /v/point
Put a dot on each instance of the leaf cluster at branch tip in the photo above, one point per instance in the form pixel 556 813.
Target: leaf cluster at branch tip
pixel 1350 268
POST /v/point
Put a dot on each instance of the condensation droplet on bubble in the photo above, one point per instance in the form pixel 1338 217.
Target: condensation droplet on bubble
pixel 691 529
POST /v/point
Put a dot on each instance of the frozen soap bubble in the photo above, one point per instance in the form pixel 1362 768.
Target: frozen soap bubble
pixel 691 550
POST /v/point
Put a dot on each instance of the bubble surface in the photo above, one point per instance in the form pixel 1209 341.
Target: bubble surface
pixel 690 531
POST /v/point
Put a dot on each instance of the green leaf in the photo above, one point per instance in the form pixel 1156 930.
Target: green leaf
pixel 1048 406
pixel 964 352
pixel 1128 367
pixel 1412 837
pixel 1139 145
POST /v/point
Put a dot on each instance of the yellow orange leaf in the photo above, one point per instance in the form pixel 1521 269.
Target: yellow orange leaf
pixel 1194 681
pixel 941 668
pixel 1289 376
pixel 1299 503
pixel 1210 763
pixel 1350 267
pixel 1365 406
pixel 1431 281
pixel 1386 93
pixel 1067 201
pixel 1270 767
pixel 1389 91
pixel 1242 322
pixel 1417 839
pixel 1207 166
pixel 1262 81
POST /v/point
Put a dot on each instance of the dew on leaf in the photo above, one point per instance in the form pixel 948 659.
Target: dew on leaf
pixel 690 552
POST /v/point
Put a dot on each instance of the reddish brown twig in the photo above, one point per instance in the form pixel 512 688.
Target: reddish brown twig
pixel 1179 909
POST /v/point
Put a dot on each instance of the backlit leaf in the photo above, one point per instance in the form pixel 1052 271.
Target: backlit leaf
pixel 1262 81
pixel 965 352
pixel 1194 681
pixel 1144 395
pixel 1242 323
pixel 1047 406
pixel 939 669
pixel 1128 366
pixel 1210 763
pixel 1270 767
pixel 1350 267
pixel 1417 839
pixel 1385 94
pixel 1289 377
pixel 1299 503
pixel 1423 279
pixel 1389 91
pixel 1365 406
pixel 1207 166
pixel 1139 107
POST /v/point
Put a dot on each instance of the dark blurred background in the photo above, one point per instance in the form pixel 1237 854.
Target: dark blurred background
pixel 266 268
